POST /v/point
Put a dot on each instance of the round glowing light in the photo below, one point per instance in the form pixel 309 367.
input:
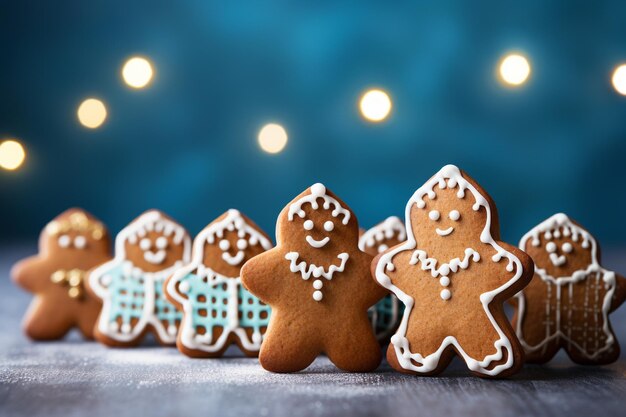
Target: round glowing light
pixel 12 155
pixel 137 72
pixel 92 113
pixel 619 79
pixel 514 70
pixel 375 105
pixel 272 138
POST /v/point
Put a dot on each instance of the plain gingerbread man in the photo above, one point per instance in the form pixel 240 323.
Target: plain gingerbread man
pixel 318 284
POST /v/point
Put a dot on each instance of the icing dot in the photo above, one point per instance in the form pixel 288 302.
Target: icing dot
pixel 113 326
pixel 329 226
pixel 585 244
pixel 444 281
pixel 445 294
pixel 433 215
pixel 161 242
pixel 396 339
pixel 318 284
pixel 224 244
pixel 551 247
pixel 126 328
pixel 184 287
pixel 308 225
pixel 172 329
pixel 64 241
pixel 567 247
pixel 80 242
pixel 454 215
pixel 421 204
pixel 145 244
pixel 382 248
pixel 242 244
pixel 256 338
pixel 317 296
pixel 318 189
pixel 444 270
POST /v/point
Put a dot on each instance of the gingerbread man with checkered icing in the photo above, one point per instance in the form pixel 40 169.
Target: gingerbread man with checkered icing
pixel 453 275
pixel 318 284
pixel 147 252
pixel 568 302
pixel 218 310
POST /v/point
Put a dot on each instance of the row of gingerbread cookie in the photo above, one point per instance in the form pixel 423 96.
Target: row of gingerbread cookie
pixel 316 242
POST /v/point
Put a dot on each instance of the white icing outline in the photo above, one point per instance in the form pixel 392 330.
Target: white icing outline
pixel 98 277
pixel 318 190
pixel 233 221
pixel 557 225
pixel 382 231
pixel 306 270
pixel 399 341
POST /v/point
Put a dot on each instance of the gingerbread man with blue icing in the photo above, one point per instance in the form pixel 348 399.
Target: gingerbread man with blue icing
pixel 217 310
pixel 318 284
pixel 453 275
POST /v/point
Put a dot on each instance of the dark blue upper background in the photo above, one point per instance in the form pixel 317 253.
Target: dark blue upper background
pixel 187 144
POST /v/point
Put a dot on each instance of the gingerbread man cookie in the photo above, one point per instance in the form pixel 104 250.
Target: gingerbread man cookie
pixel 568 301
pixel 385 315
pixel 72 243
pixel 317 282
pixel 218 310
pixel 453 275
pixel 147 252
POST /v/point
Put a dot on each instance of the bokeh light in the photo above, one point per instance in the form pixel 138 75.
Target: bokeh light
pixel 12 155
pixel 92 113
pixel 137 72
pixel 272 138
pixel 619 79
pixel 375 105
pixel 514 69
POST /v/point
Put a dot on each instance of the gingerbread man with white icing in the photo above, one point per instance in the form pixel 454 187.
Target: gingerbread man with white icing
pixel 318 284
pixel 453 275
pixel 568 302
pixel 218 310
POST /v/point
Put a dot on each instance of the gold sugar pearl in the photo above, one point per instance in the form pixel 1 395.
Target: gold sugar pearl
pixel 58 276
pixel 74 292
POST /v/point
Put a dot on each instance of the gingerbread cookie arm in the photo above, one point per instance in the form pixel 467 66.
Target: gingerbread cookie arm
pixel 27 273
pixel 510 265
pixel 259 276
pixel 620 292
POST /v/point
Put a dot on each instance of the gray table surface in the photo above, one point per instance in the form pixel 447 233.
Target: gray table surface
pixel 73 377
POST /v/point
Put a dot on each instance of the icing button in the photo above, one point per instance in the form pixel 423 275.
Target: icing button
pixel 444 281
pixel 318 284
pixel 445 295
pixel 317 296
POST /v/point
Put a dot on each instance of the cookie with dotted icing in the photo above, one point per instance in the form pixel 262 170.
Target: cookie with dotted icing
pixel 217 310
pixel 69 245
pixel 568 302
pixel 147 252
pixel 317 282
pixel 453 275
pixel 385 315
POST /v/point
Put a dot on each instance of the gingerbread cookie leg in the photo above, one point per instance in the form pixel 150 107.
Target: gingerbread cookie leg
pixel 356 349
pixel 44 321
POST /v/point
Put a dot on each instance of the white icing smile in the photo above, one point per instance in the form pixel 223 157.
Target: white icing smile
pixel 154 257
pixel 445 232
pixel 233 260
pixel 317 243
pixel 557 260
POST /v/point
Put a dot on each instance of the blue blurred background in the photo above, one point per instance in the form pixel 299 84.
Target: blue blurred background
pixel 188 143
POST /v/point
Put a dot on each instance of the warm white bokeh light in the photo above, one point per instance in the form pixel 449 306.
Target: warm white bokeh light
pixel 272 138
pixel 12 155
pixel 92 113
pixel 137 72
pixel 375 105
pixel 514 70
pixel 619 79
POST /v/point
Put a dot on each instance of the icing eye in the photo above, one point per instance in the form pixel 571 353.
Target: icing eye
pixel 145 243
pixel 454 215
pixel 329 226
pixel 567 247
pixel 64 241
pixel 224 244
pixel 551 247
pixel 308 225
pixel 433 215
pixel 80 242
pixel 242 244
pixel 161 242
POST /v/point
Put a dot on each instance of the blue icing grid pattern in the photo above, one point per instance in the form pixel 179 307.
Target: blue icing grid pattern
pixel 127 296
pixel 210 306
pixel 164 310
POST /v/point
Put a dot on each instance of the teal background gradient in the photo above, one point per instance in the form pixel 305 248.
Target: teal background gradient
pixel 187 145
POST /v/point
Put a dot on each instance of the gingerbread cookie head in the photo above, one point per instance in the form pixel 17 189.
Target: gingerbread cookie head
pixel 153 242
pixel 383 236
pixel 69 245
pixel 228 242
pixel 560 247
pixel 317 229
